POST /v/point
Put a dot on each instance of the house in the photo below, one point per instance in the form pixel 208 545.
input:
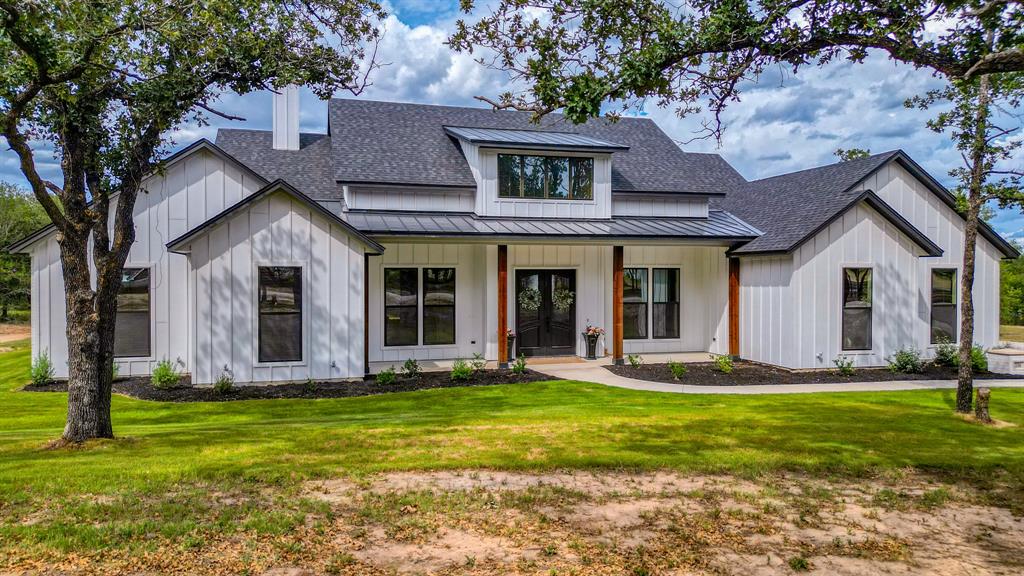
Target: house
pixel 427 232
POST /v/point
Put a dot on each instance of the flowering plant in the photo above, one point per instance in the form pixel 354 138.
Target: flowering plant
pixel 593 331
pixel 510 333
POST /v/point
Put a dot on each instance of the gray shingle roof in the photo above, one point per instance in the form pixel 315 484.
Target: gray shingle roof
pixel 789 207
pixel 396 143
pixel 719 225
pixel 532 138
pixel 309 168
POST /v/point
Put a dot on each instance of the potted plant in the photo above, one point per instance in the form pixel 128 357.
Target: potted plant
pixel 510 338
pixel 592 334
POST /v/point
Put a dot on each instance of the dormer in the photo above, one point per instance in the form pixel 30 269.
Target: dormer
pixel 538 174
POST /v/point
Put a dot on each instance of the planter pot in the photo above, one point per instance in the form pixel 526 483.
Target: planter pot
pixel 511 347
pixel 591 346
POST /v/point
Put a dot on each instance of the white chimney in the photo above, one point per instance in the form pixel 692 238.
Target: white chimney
pixel 286 118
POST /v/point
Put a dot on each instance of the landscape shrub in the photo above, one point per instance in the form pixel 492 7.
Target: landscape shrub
pixel 386 376
pixel 979 361
pixel 165 376
pixel 310 386
pixel 844 365
pixel 678 369
pixel 224 384
pixel 42 369
pixel 906 361
pixel 411 368
pixel 461 371
pixel 478 362
pixel 634 360
pixel 723 363
pixel 519 366
pixel 946 353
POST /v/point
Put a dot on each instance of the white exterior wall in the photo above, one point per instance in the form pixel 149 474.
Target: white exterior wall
pixel 661 206
pixel 277 231
pixel 413 199
pixel 704 297
pixel 191 190
pixel 484 164
pixel 790 306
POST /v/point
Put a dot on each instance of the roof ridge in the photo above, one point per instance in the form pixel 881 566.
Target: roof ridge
pixel 873 157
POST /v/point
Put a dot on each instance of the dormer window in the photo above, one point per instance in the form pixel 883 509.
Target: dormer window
pixel 545 177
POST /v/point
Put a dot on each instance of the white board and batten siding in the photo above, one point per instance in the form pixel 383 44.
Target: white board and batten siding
pixel 191 190
pixel 470 278
pixel 659 206
pixel 277 231
pixel 790 305
pixel 704 297
pixel 410 199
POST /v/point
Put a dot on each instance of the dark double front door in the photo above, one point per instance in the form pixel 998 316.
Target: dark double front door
pixel 545 312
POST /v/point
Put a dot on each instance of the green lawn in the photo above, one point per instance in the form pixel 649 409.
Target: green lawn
pixel 1011 333
pixel 534 426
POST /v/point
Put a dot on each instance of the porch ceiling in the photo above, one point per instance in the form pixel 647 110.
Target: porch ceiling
pixel 719 225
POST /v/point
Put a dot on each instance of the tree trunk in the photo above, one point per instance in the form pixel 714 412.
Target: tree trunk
pixel 965 373
pixel 981 412
pixel 90 348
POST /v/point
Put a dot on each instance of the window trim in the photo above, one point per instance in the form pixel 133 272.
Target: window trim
pixel 152 316
pixel 545 153
pixel 650 301
pixel 842 307
pixel 419 307
pixel 304 310
pixel 955 304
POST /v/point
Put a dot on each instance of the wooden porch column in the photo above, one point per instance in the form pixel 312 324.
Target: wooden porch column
pixel 734 307
pixel 617 352
pixel 502 306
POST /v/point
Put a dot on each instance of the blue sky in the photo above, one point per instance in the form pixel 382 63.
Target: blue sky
pixel 782 123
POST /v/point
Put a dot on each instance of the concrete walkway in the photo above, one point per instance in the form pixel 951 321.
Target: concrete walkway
pixel 598 374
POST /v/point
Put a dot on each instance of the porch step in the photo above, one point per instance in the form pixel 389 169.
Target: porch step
pixel 1006 360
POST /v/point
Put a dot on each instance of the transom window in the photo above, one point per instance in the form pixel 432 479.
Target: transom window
pixel 857 309
pixel 280 314
pixel 403 315
pixel 545 177
pixel 943 322
pixel 132 325
pixel 657 307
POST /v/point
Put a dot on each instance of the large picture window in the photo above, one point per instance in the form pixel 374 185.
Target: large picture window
pixel 665 294
pixel 545 177
pixel 132 326
pixel 634 303
pixel 401 304
pixel 439 306
pixel 280 314
pixel 943 323
pixel 856 308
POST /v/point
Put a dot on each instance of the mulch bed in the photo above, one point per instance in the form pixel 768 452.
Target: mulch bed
pixel 749 373
pixel 142 389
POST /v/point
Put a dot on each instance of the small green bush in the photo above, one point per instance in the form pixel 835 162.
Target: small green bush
pixel 165 376
pixel 478 362
pixel 844 365
pixel 461 371
pixel 979 360
pixel 723 363
pixel 799 564
pixel 635 360
pixel 519 366
pixel 386 377
pixel 411 368
pixel 906 361
pixel 224 385
pixel 678 369
pixel 946 353
pixel 310 386
pixel 42 369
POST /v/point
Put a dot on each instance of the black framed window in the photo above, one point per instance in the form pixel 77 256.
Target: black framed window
pixel 132 325
pixel 857 308
pixel 634 303
pixel 280 314
pixel 401 303
pixel 665 298
pixel 439 306
pixel 547 177
pixel 943 322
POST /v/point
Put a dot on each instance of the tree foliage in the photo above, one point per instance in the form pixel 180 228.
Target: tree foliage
pixel 103 83
pixel 1012 291
pixel 576 55
pixel 20 214
pixel 845 155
